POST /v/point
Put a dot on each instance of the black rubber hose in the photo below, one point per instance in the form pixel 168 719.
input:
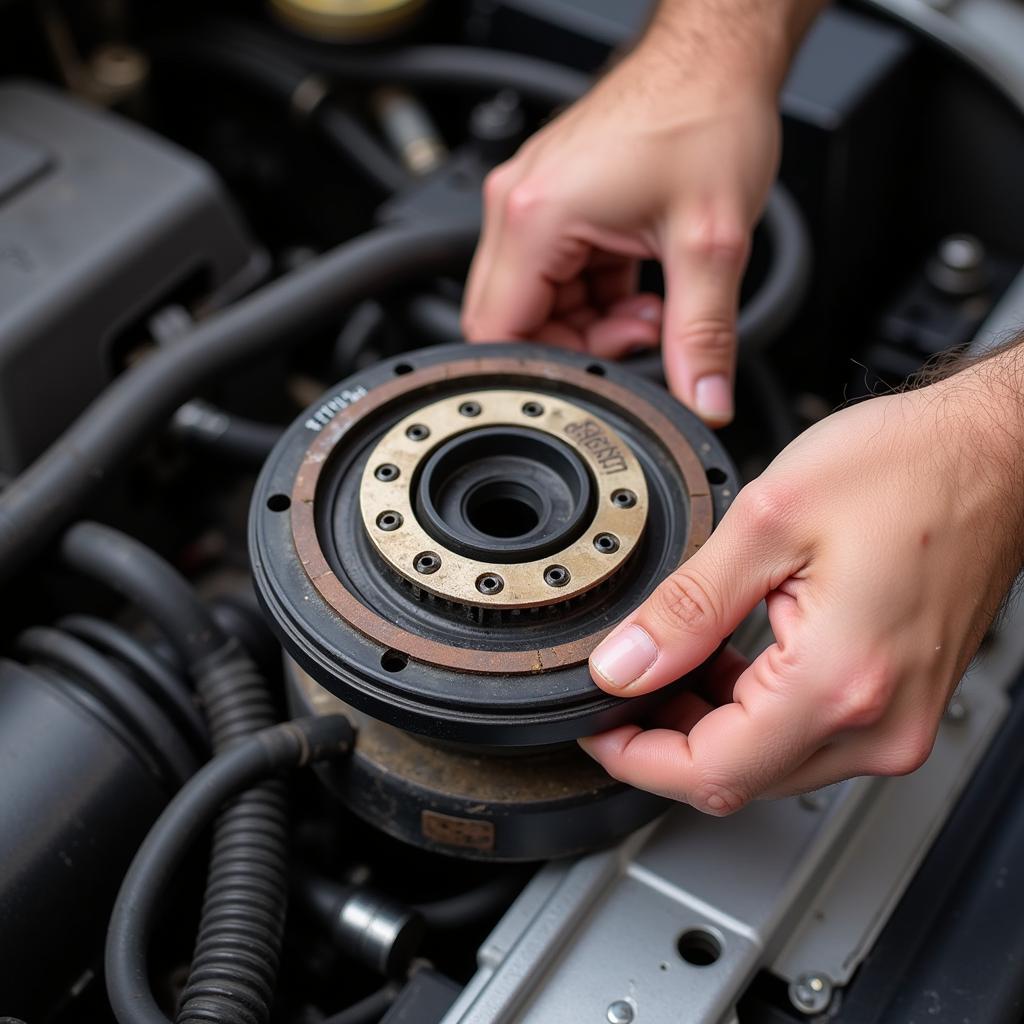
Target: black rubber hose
pixel 767 313
pixel 172 759
pixel 435 317
pixel 234 966
pixel 474 905
pixel 160 679
pixel 454 68
pixel 271 72
pixel 356 337
pixel 148 581
pixel 139 402
pixel 238 438
pixel 348 137
pixel 258 758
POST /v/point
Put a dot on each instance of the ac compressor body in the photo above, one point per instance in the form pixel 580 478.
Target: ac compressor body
pixel 440 544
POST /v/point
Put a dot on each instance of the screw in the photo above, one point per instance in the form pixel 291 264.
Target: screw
pixel 623 498
pixel 418 432
pixel 389 521
pixel 533 409
pixel 556 576
pixel 620 1012
pixel 426 562
pixel 387 472
pixel 606 543
pixel 811 993
pixel 470 409
pixel 490 583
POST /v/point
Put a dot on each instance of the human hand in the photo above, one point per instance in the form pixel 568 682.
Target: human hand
pixel 669 157
pixel 884 539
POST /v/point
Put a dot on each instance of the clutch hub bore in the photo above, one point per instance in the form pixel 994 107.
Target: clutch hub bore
pixel 441 543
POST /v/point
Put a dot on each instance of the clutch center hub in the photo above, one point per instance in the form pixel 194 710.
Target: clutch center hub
pixel 504 499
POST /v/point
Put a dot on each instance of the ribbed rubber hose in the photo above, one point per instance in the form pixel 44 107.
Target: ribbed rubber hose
pixel 255 759
pixel 235 962
pixel 137 404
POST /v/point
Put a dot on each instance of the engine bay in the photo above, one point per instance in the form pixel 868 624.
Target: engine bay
pixel 259 500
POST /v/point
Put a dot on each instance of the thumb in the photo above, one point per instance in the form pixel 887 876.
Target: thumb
pixel 704 265
pixel 686 619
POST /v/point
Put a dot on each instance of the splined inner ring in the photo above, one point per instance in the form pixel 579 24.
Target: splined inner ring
pixel 504 499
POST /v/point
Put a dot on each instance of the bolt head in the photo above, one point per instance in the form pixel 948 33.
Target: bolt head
pixel 389 521
pixel 811 993
pixel 427 562
pixel 556 576
pixel 620 1012
pixel 490 583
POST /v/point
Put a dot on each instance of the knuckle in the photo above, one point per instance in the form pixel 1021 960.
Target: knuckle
pixel 683 601
pixel 866 697
pixel 768 504
pixel 523 202
pixel 713 340
pixel 717 238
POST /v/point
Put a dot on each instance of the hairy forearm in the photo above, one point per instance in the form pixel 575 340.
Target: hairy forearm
pixel 748 40
pixel 981 402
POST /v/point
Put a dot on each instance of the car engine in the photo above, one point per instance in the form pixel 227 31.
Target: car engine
pixel 299 588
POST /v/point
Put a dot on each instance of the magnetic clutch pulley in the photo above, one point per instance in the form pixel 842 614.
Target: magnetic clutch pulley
pixel 440 544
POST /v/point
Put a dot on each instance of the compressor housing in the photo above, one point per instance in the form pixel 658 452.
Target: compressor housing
pixel 441 543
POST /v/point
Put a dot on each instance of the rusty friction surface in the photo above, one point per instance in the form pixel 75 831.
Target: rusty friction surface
pixel 379 629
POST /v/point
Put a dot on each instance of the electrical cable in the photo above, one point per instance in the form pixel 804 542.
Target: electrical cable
pixel 138 403
pixel 257 758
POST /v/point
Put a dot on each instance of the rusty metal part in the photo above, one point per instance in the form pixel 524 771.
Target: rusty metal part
pixel 477 373
pixel 611 463
pixel 472 803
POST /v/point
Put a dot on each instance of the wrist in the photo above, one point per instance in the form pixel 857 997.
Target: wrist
pixel 748 44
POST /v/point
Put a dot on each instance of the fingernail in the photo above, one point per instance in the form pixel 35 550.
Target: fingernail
pixel 713 396
pixel 625 656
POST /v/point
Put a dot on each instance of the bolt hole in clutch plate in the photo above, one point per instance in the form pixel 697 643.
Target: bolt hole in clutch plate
pixel 440 543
